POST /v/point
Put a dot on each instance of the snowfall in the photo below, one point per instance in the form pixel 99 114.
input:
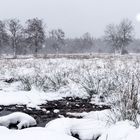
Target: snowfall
pixel 66 78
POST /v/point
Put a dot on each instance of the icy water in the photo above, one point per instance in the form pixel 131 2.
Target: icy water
pixel 53 109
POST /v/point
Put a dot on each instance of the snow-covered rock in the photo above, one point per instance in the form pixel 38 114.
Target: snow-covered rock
pixel 21 119
pixel 61 125
pixel 56 111
pixel 86 129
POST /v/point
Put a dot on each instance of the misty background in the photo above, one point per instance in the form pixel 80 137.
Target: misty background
pixel 77 19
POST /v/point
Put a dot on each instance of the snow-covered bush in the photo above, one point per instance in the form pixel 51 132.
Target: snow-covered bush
pixel 46 82
pixel 90 83
pixel 126 104
pixel 57 80
pixel 26 84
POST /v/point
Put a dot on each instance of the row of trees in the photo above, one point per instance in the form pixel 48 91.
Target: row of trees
pixel 32 36
pixel 83 44
pixel 13 34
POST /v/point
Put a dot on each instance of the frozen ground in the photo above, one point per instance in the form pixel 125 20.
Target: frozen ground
pixel 40 85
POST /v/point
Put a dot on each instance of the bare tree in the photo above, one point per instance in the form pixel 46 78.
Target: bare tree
pixel 4 38
pixel 15 29
pixel 119 36
pixel 126 33
pixel 35 33
pixel 87 40
pixel 57 37
pixel 111 36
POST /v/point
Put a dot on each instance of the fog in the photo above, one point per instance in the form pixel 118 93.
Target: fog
pixel 75 17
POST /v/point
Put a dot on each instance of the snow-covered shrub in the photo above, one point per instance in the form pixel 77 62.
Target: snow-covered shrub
pixel 57 80
pixel 101 83
pixel 40 82
pixel 26 84
pixel 125 105
pixel 44 82
pixel 91 84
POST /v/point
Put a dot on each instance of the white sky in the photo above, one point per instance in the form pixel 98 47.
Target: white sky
pixel 75 17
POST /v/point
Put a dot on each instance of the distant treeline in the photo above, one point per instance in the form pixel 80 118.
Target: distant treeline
pixel 34 38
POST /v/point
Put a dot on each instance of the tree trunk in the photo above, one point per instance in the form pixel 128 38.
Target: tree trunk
pixel 14 49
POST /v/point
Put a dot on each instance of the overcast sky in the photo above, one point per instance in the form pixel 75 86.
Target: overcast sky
pixel 75 17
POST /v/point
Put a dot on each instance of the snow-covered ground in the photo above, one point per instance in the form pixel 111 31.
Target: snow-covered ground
pixel 38 80
pixel 32 133
pixel 102 80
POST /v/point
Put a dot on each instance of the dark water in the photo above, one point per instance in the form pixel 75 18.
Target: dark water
pixel 64 106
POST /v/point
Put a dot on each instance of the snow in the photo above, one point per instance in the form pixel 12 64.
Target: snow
pixel 63 128
pixel 10 95
pixel 32 133
pixel 19 118
pixel 86 128
pixel 70 76
pixel 134 135
pixel 93 126
pixel 89 129
pixel 30 99
pixel 56 111
pixel 119 131
pixel 103 115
